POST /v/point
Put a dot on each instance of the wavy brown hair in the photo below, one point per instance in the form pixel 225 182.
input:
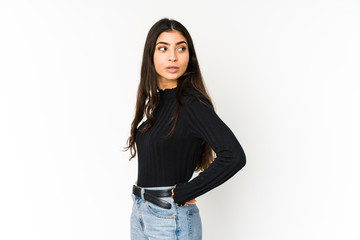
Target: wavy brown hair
pixel 148 98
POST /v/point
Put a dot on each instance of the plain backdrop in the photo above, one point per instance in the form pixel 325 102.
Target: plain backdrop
pixel 284 76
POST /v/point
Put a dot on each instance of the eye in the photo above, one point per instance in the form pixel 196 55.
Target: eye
pixel 182 49
pixel 162 48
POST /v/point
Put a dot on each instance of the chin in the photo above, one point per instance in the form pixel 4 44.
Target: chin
pixel 172 77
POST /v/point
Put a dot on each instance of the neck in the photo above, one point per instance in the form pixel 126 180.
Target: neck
pixel 166 85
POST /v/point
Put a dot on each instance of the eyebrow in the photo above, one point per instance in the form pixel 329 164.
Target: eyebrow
pixel 169 44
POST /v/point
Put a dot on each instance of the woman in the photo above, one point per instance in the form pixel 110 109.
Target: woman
pixel 179 136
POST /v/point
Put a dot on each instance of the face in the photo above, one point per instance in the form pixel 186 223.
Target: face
pixel 171 56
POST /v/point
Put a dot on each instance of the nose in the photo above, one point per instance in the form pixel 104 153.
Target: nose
pixel 172 56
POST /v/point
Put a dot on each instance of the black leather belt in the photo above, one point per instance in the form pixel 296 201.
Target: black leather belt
pixel 153 196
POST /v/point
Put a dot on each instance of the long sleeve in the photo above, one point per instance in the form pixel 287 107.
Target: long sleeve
pixel 203 122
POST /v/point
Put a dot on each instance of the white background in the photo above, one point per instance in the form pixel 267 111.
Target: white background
pixel 284 76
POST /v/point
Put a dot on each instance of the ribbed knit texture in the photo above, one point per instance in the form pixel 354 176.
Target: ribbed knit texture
pixel 166 162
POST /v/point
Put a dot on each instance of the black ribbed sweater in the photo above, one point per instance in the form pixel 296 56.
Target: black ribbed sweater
pixel 166 162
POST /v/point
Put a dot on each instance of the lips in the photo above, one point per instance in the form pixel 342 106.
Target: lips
pixel 172 69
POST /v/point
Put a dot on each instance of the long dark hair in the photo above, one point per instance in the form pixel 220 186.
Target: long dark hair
pixel 148 98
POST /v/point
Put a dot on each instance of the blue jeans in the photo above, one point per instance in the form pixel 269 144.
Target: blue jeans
pixel 151 222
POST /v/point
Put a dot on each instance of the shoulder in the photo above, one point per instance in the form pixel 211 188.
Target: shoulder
pixel 192 98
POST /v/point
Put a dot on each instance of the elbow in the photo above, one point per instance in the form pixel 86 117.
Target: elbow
pixel 240 159
pixel 234 157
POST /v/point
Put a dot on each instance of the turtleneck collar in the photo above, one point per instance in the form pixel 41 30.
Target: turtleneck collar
pixel 167 93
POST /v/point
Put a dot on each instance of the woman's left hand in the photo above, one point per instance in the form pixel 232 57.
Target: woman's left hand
pixel 190 202
pixel 193 201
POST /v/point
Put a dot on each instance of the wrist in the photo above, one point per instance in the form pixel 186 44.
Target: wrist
pixel 175 196
pixel 172 193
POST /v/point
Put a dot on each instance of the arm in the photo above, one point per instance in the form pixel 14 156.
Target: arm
pixel 204 123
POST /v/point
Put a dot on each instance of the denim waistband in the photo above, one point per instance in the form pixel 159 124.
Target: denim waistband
pixel 157 188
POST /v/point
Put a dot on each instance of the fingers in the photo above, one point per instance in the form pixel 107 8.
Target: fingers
pixel 190 202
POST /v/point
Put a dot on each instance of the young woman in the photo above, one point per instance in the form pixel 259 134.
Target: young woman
pixel 180 135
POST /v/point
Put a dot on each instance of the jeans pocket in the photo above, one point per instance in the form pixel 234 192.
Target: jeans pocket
pixel 160 212
pixel 194 223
